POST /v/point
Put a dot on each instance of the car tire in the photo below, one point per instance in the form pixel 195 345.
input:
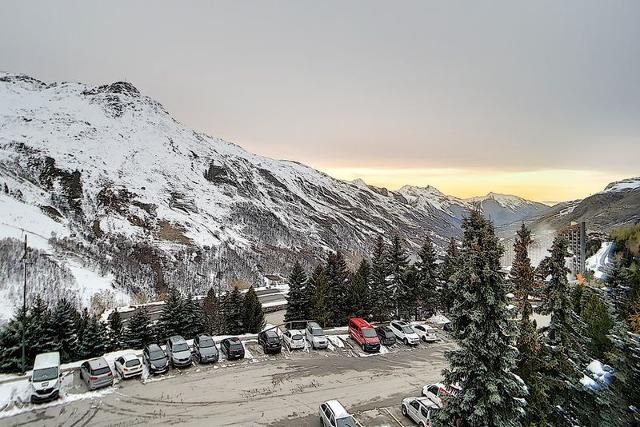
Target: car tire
pixel 422 424
pixel 404 410
pixel 406 341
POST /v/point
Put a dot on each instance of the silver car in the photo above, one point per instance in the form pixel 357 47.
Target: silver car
pixel 315 335
pixel 178 351
pixel 96 373
pixel 421 410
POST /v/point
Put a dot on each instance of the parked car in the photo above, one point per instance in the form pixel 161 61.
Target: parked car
pixel 270 341
pixel 448 327
pixel 315 335
pixel 45 377
pixel 363 333
pixel 294 339
pixel 420 409
pixel 386 335
pixel 232 348
pixel 178 352
pixel 155 358
pixel 333 414
pixel 96 373
pixel 426 333
pixel 205 350
pixel 404 332
pixel 438 392
pixel 128 366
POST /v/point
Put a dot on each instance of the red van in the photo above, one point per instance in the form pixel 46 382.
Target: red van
pixel 364 334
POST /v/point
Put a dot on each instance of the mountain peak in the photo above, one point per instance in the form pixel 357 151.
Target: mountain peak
pixel 124 88
pixel 628 184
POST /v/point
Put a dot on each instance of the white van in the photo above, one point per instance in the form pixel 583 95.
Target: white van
pixel 45 378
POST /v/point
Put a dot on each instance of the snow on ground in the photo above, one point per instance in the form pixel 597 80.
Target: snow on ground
pixel 336 341
pixel 601 260
pixel 438 319
pixel 91 283
pixel 598 375
pixel 624 185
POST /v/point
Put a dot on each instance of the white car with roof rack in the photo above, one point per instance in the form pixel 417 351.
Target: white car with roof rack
pixel 333 414
pixel 404 332
pixel 421 410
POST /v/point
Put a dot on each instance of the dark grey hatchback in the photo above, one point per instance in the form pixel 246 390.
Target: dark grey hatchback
pixel 155 359
pixel 204 349
pixel 232 348
pixel 386 335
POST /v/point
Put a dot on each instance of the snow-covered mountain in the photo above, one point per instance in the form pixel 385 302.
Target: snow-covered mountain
pixel 121 195
pixel 504 209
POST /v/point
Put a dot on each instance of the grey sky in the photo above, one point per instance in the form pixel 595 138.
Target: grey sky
pixel 494 85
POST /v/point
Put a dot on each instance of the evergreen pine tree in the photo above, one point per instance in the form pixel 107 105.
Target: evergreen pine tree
pixel 233 312
pixel 172 320
pixel 338 288
pixel 115 335
pixel 39 334
pixel 320 310
pixel 407 296
pixel 397 261
pixel 563 348
pixel 83 350
pixel 360 291
pixel 252 313
pixel 379 296
pixel 427 279
pixel 194 319
pixel 63 328
pixel 93 342
pixel 598 324
pixel 297 303
pixel 449 266
pixel 139 331
pixel 618 282
pixel 211 312
pixel 484 363
pixel 10 344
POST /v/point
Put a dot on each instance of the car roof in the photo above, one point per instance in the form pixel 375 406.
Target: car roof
pixel 47 360
pixel 204 336
pixel 129 356
pixel 313 324
pixel 176 338
pixel 98 362
pixel 271 332
pixel 360 322
pixel 153 347
pixel 233 339
pixel 337 409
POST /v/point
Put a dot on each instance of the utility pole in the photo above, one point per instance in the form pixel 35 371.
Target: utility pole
pixel 24 303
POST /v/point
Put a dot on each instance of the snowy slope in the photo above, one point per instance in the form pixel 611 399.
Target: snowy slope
pixel 98 164
pixel 504 209
pixel 630 184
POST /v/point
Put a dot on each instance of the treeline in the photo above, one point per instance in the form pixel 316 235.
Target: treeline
pixel 385 285
pixel 79 335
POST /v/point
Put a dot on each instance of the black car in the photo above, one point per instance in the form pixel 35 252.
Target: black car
pixel 386 335
pixel 270 341
pixel 204 349
pixel 232 348
pixel 155 359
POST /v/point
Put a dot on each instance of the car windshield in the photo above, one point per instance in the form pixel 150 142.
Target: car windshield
pixel 101 371
pixel 132 362
pixel 407 330
pixel 156 355
pixel 273 339
pixel 206 342
pixel 45 374
pixel 181 346
pixel 317 332
pixel 235 346
pixel 346 422
pixel 369 333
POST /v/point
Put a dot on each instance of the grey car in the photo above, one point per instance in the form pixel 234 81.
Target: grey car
pixel 205 350
pixel 178 352
pixel 96 373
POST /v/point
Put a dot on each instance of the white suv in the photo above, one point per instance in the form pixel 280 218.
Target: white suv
pixel 333 414
pixel 420 409
pixel 404 332
pixel 294 340
pixel 426 333
pixel 315 335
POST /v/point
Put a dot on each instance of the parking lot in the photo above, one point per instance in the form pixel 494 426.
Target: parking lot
pixel 284 389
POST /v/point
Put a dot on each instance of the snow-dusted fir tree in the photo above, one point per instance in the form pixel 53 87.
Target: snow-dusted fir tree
pixel 172 320
pixel 396 261
pixel 379 296
pixel 10 344
pixel 297 303
pixel 360 292
pixel 485 361
pixel 193 317
pixel 211 313
pixel 63 323
pixel 427 279
pixel 82 350
pixel 528 343
pixel 338 288
pixel 320 310
pixel 115 331
pixel 564 345
pixel 94 339
pixel 233 309
pixel 447 268
pixel 252 313
pixel 139 331
pixel 619 284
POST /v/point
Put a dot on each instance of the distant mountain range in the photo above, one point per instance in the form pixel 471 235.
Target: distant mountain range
pixel 130 192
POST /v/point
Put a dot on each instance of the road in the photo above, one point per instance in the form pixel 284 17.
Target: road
pixel 273 299
pixel 282 390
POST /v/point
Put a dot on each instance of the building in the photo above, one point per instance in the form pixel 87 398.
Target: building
pixel 576 235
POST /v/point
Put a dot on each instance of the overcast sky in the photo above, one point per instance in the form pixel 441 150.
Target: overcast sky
pixel 538 98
